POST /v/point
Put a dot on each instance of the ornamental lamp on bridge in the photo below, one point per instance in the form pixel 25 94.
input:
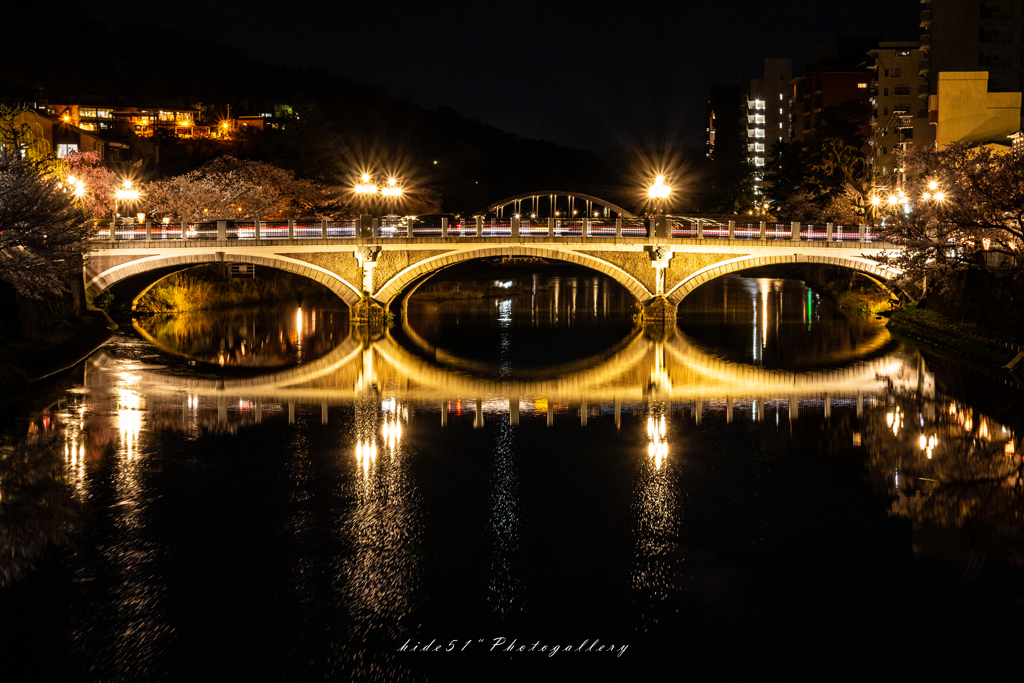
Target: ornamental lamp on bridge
pixel 659 192
pixel 125 194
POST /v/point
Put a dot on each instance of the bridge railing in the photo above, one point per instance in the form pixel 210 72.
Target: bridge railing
pixel 497 227
pixel 345 228
pixel 684 227
pixel 530 227
pixel 602 227
pixel 402 227
pixel 747 231
pixel 428 227
pixel 634 227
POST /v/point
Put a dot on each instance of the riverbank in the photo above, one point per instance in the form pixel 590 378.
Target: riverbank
pixel 64 347
pixel 967 339
pixel 856 295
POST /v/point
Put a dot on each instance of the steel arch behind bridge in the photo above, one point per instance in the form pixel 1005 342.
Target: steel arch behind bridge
pixel 614 208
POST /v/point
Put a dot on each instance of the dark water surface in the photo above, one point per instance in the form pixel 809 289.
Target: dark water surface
pixel 768 488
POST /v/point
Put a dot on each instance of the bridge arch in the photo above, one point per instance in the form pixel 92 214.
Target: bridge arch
pixel 535 197
pixel 162 266
pixel 857 263
pixel 397 284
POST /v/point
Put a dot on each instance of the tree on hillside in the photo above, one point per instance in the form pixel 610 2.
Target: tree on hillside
pixel 965 203
pixel 42 225
pixel 234 189
pixel 98 183
pixel 826 178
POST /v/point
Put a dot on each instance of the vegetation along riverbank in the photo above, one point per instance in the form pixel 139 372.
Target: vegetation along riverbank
pixel 211 287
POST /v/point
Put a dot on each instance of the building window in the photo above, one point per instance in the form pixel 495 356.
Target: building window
pixel 862 86
pixel 895 73
pixel 901 91
pixel 65 149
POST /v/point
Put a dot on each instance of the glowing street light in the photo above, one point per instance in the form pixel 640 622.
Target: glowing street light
pixel 659 190
pixel 127 193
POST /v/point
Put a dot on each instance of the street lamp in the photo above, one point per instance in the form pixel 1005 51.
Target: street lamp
pixel 125 194
pixel 366 188
pixel 393 189
pixel 659 192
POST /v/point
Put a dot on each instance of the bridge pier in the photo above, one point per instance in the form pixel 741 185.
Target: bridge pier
pixel 659 311
pixel 367 312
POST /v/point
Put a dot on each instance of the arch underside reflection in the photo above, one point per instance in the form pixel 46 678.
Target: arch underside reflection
pixel 672 369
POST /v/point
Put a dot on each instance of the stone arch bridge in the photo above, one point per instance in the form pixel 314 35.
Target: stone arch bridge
pixel 369 263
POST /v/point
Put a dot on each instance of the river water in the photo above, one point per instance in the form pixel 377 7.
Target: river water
pixel 259 495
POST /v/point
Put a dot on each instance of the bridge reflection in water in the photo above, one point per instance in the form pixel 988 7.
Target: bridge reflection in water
pixel 640 370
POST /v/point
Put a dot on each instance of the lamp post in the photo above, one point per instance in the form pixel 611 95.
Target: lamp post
pixel 125 194
pixel 366 189
pixel 659 192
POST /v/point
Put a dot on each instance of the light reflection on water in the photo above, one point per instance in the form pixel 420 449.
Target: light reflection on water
pixel 262 337
pixel 391 498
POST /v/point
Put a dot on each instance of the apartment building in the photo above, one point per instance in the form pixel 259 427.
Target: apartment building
pixel 765 104
pixel 899 119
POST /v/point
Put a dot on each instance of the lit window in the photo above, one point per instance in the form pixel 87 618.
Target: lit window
pixel 758 161
pixel 862 86
pixel 758 104
pixel 758 133
pixel 780 96
pixel 64 150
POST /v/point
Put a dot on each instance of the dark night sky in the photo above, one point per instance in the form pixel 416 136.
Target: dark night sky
pixel 593 75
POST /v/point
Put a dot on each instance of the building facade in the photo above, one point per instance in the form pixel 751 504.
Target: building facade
pixel 765 105
pixel 177 123
pixel 968 110
pixel 899 119
pixel 55 135
pixel 981 37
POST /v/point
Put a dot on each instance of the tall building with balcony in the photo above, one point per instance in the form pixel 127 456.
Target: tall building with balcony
pixel 899 119
pixel 839 77
pixel 766 107
pixel 972 37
